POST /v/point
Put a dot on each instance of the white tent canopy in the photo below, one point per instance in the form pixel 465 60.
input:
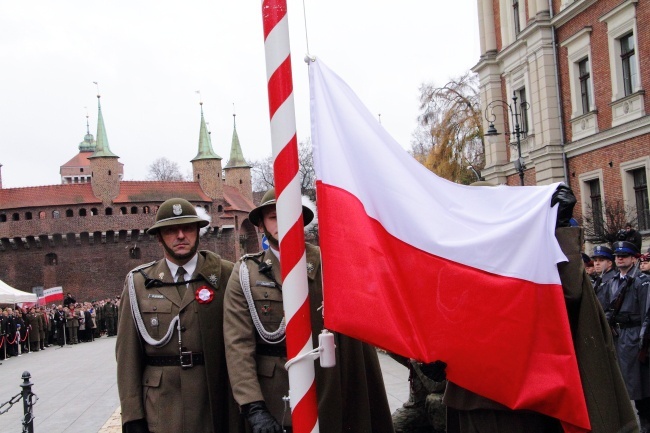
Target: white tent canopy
pixel 9 295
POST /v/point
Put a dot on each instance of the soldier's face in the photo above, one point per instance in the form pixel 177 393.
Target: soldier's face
pixel 602 265
pixel 270 225
pixel 180 242
pixel 624 263
pixel 645 266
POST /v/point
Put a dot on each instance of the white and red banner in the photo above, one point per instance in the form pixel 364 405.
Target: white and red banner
pixel 434 270
pixel 53 294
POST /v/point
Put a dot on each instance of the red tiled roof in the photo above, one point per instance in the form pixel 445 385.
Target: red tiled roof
pixel 79 160
pixel 130 192
pixel 49 195
pixel 236 200
pixel 148 191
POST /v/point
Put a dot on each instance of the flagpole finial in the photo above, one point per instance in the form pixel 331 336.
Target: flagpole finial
pixel 308 59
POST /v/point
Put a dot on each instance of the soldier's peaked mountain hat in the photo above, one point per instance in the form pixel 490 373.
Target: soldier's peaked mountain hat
pixel 176 211
pixel 625 248
pixel 255 216
pixel 604 252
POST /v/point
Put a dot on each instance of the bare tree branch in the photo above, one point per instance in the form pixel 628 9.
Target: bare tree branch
pixel 450 134
pixel 165 170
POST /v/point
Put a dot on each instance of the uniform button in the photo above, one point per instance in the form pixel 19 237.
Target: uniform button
pixel 182 329
pixel 266 294
pixel 155 308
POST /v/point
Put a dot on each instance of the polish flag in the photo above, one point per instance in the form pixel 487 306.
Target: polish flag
pixel 51 295
pixel 433 270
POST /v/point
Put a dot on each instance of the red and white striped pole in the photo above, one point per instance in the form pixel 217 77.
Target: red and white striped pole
pixel 295 294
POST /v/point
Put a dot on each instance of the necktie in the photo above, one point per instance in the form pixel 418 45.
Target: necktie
pixel 182 288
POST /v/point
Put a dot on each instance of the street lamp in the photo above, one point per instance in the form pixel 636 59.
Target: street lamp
pixel 518 132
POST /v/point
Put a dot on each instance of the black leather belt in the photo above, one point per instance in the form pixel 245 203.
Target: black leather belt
pixel 271 350
pixel 189 359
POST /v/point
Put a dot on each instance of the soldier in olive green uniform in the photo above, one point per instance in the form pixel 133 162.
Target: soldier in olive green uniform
pixel 34 321
pixel 351 395
pixel 171 367
pixel 110 314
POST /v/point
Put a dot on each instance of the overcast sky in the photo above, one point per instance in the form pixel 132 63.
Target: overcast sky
pixel 151 56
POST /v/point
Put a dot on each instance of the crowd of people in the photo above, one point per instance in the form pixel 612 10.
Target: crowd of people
pixel 30 329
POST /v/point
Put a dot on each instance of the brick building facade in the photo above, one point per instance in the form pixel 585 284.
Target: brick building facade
pixel 581 68
pixel 88 232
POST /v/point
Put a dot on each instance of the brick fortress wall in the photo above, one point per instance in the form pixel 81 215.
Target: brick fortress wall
pixel 89 256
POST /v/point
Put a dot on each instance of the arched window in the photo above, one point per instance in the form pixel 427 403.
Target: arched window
pixel 219 208
pixel 207 209
pixel 82 212
pixel 123 210
pixel 108 211
pixel 93 211
pixel 15 217
pixel 145 209
pixel 55 214
pixel 41 215
pixel 109 172
pixel 3 218
pixel 155 209
pixel 28 215
pixel 51 259
pixel 134 209
pixel 69 213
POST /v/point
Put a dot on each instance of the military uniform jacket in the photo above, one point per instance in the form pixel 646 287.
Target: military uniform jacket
pixel 174 399
pixel 600 284
pixel 351 395
pixel 630 317
pixel 36 325
pixel 606 396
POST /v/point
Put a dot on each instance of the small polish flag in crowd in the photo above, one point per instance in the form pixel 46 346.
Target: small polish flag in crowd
pixel 51 295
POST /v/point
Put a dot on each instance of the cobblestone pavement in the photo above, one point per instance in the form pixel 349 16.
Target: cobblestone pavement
pixel 77 390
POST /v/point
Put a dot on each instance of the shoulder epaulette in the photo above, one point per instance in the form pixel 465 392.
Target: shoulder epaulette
pixel 251 256
pixel 145 266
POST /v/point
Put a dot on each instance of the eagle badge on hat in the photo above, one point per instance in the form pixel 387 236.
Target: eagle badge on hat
pixel 213 279
pixel 177 210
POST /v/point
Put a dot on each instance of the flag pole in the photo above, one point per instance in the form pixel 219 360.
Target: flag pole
pixel 295 295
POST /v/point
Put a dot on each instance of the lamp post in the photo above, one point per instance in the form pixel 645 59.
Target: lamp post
pixel 518 131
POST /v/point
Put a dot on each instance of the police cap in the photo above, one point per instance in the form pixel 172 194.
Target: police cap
pixel 625 248
pixel 602 251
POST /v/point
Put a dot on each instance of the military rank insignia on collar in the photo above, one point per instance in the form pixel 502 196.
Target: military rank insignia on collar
pixel 310 267
pixel 204 295
pixel 213 280
pixel 161 275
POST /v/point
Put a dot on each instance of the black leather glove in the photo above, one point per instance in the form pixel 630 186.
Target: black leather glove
pixel 435 370
pixel 564 196
pixel 260 418
pixel 137 426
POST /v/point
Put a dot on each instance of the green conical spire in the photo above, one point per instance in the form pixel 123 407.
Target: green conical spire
pixel 205 145
pixel 101 146
pixel 236 155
